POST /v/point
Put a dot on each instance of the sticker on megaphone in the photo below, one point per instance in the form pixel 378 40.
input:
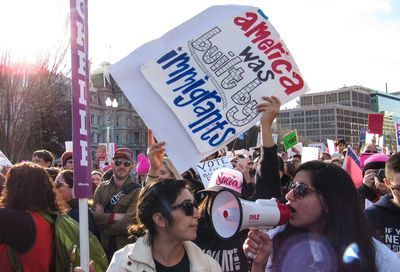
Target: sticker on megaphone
pixel 231 214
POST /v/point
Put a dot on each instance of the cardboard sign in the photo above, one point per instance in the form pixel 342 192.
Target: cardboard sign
pixel 4 160
pixel 290 139
pixel 205 78
pixel 205 169
pixel 375 123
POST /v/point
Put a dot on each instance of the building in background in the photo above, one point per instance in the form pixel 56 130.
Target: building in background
pixel 126 128
pixel 339 114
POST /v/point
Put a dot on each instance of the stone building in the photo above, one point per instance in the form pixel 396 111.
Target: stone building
pixel 126 128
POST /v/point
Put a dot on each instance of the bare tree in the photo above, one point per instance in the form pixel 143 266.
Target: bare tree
pixel 35 107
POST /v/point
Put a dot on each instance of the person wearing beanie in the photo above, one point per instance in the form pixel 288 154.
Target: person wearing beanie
pixel 384 215
pixel 373 188
pixel 142 168
pixel 66 160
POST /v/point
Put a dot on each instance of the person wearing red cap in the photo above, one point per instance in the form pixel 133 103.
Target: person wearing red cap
pixel 66 160
pixel 115 203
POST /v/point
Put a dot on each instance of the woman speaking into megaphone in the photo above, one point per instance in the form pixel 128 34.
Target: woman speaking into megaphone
pixel 326 230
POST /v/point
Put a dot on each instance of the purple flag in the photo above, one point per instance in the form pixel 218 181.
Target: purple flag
pixel 80 99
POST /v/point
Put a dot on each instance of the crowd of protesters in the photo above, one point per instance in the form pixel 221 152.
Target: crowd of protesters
pixel 150 217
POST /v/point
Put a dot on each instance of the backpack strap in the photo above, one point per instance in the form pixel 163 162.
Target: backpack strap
pixel 124 191
pixel 13 258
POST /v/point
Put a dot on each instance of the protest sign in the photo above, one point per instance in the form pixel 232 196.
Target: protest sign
pixel 321 146
pixel 4 160
pixel 309 154
pixel 205 78
pixel 205 169
pixel 290 139
pixel 331 146
pixel 298 147
pixel 397 129
pixel 375 123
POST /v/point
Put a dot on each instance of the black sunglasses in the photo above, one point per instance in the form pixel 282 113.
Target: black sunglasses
pixel 187 207
pixel 118 163
pixel 300 189
pixel 59 184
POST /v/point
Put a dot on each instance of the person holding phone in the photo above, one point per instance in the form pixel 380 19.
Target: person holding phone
pixel 384 215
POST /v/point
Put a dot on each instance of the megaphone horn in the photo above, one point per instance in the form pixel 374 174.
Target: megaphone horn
pixel 231 214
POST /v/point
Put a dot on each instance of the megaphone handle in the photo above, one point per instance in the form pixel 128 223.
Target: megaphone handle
pixel 262 229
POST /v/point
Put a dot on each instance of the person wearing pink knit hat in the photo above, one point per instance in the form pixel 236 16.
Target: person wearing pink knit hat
pixel 142 167
pixel 373 186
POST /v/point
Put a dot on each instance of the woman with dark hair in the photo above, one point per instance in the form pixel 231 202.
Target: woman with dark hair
pixel 28 191
pixel 64 188
pixel 167 218
pixel 326 231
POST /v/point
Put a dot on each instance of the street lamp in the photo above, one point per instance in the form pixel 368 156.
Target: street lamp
pixel 111 106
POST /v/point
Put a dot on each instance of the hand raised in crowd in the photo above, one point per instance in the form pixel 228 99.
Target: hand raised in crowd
pixel 258 245
pixel 155 153
pixel 270 108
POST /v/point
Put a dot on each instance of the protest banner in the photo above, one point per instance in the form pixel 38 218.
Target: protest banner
pixel 205 78
pixel 397 129
pixel 4 161
pixel 80 120
pixel 375 123
pixel 205 169
pixel 290 139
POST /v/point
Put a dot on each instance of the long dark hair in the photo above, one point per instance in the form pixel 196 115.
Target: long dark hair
pixel 156 197
pixel 30 188
pixel 344 223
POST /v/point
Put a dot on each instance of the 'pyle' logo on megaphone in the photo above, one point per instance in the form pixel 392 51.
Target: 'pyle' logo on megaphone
pixel 231 214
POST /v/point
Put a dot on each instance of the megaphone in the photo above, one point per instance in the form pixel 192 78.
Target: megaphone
pixel 231 214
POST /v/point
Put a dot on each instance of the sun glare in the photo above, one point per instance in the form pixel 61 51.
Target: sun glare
pixel 32 29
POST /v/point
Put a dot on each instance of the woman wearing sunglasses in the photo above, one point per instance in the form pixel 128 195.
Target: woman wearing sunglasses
pixel 64 184
pixel 326 231
pixel 167 219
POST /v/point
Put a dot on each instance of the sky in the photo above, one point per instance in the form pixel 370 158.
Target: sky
pixel 335 43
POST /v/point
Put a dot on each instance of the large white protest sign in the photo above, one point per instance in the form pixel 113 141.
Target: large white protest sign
pixel 331 146
pixel 205 169
pixel 208 75
pixel 4 160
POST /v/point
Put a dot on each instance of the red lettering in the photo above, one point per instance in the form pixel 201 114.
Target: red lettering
pixel 254 217
pixel 291 86
pixel 276 63
pixel 221 179
pixel 290 81
pixel 246 23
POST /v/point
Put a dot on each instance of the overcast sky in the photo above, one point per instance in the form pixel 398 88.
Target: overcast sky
pixel 334 42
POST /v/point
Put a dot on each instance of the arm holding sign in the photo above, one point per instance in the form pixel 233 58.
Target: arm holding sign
pixel 155 153
pixel 267 175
